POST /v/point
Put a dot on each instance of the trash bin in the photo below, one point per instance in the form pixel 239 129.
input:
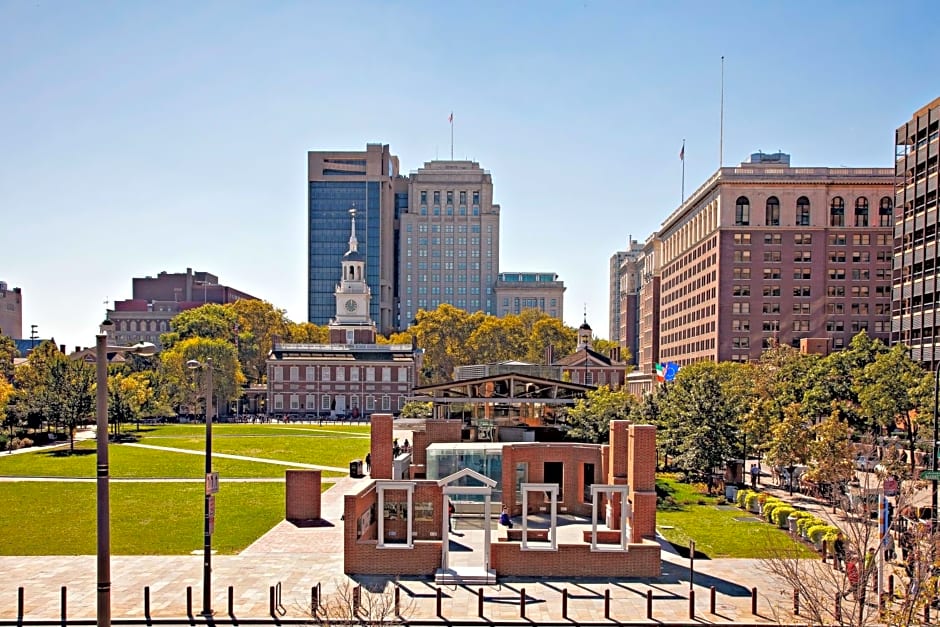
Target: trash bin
pixel 355 469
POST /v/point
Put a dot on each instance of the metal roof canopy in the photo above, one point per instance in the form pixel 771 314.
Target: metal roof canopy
pixel 504 388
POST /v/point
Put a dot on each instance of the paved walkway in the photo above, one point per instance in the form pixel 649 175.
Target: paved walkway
pixel 302 557
pixel 244 458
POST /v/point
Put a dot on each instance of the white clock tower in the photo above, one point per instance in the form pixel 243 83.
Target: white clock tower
pixel 352 294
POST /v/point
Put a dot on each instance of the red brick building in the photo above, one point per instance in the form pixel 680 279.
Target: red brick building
pixel 352 376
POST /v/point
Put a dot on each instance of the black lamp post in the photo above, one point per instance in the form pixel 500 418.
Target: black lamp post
pixel 210 498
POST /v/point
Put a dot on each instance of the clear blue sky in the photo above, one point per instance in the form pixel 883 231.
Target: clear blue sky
pixel 141 137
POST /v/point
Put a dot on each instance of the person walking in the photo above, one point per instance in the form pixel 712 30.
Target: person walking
pixel 755 476
pixel 368 462
pixel 838 549
pixel 450 514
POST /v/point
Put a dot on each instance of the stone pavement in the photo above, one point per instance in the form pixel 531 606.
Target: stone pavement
pixel 301 557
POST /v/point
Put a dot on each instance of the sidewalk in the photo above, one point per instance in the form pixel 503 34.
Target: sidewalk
pixel 300 558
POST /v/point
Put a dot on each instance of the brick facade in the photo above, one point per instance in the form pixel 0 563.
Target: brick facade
pixel 381 451
pixel 642 460
pixel 574 560
pixel 303 495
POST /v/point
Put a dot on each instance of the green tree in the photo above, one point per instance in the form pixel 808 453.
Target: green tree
pixel 128 396
pixel 589 419
pixel 444 334
pixel 700 424
pixel 416 409
pixel 8 353
pixel 208 321
pixel 887 392
pixel 831 455
pixel 552 332
pixel 306 333
pixel 790 446
pixel 186 385
pixel 497 339
pixel 257 323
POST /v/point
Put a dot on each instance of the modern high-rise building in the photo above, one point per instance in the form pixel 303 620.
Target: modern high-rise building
pixel 916 281
pixel 625 281
pixel 448 240
pixel 765 253
pixel 157 300
pixel 366 181
pixel 11 311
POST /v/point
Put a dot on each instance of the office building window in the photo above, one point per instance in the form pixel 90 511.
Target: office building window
pixel 861 211
pixel 885 212
pixel 802 211
pixel 773 211
pixel 837 212
pixel 742 211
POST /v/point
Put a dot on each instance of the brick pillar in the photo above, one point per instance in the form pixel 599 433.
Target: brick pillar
pixel 303 495
pixel 642 470
pixel 619 440
pixel 381 451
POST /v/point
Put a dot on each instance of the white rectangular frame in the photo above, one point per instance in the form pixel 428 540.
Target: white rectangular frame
pixel 552 489
pixel 381 485
pixel 626 514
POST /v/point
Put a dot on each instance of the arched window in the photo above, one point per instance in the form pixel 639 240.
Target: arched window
pixel 861 211
pixel 773 211
pixel 886 212
pixel 837 212
pixel 742 211
pixel 802 211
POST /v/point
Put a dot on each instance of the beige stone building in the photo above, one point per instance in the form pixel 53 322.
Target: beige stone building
pixel 517 291
pixel 11 311
pixel 765 253
pixel 448 240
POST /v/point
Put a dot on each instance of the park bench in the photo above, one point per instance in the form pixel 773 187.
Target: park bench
pixel 533 535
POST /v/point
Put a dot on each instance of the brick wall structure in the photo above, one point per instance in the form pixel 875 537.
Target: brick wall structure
pixel 303 494
pixel 381 451
pixel 642 462
pixel 535 454
pixel 575 560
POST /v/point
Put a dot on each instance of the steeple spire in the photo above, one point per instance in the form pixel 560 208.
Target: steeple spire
pixel 353 242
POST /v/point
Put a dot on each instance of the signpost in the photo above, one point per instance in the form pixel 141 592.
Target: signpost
pixel 930 475
pixel 212 483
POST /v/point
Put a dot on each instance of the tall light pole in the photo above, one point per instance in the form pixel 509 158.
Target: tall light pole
pixel 103 481
pixel 209 509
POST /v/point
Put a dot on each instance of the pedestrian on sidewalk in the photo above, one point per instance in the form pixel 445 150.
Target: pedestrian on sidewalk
pixel 450 514
pixel 755 476
pixel 368 462
pixel 839 551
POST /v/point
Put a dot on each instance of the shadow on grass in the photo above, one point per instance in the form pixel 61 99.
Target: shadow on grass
pixel 79 452
pixel 684 552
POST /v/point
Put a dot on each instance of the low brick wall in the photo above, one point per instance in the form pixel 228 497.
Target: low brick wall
pixel 576 560
pixel 367 559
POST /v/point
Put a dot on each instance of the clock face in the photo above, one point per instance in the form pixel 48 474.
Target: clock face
pixel 351 305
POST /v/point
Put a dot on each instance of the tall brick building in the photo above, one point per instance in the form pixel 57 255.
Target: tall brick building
pixel 765 252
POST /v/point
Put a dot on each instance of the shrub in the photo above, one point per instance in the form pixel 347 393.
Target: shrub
pixel 753 499
pixel 740 499
pixel 781 514
pixel 804 524
pixel 769 506
pixel 700 488
pixel 763 497
pixel 831 534
pixel 816 533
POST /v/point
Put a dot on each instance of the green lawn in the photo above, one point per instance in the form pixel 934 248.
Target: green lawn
pixel 687 515
pixel 164 518
pixel 146 519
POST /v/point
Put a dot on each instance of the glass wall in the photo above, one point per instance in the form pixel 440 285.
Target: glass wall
pixel 487 459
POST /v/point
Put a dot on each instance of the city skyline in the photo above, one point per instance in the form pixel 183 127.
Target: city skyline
pixel 144 138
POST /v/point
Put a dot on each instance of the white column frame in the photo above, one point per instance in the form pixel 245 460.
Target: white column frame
pixel 552 489
pixel 486 492
pixel 626 515
pixel 381 485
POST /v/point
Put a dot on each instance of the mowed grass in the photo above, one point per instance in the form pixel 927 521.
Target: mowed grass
pixel 41 518
pixel 716 531
pixel 323 446
pixel 153 518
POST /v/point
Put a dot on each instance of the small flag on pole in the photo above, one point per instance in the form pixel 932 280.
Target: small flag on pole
pixel 451 118
pixel 681 152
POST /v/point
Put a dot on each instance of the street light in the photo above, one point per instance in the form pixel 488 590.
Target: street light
pixel 103 486
pixel 210 499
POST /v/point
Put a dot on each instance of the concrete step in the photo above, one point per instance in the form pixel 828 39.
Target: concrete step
pixel 465 575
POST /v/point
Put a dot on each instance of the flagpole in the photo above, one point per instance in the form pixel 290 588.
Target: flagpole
pixel 683 171
pixel 451 135
pixel 721 118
